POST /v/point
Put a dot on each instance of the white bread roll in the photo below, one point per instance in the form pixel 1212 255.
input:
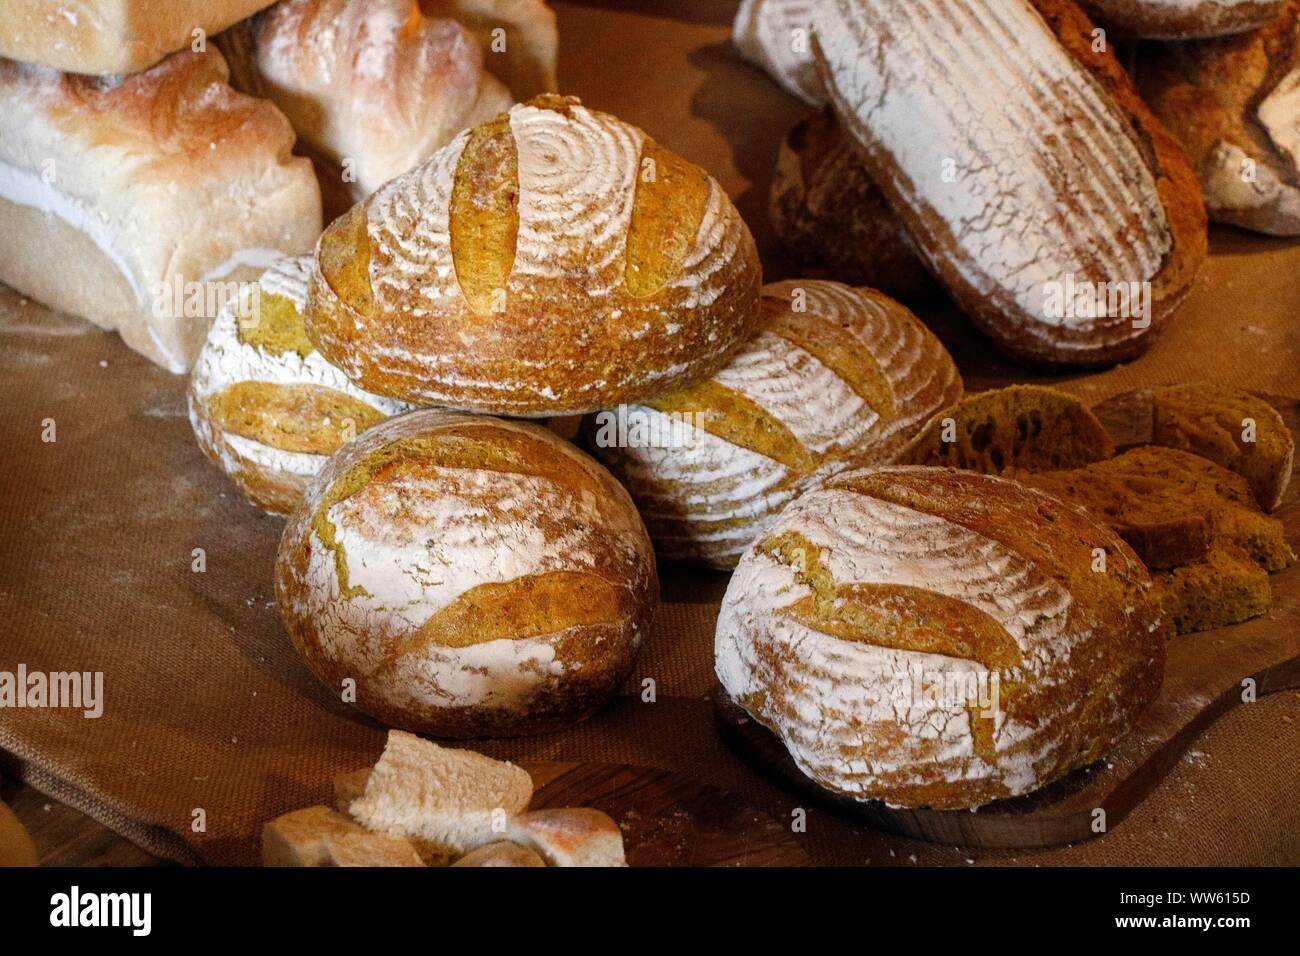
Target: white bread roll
pixel 474 577
pixel 501 854
pixel 319 836
pixel 776 36
pixel 913 635
pixel 112 36
pixel 264 404
pixel 1182 19
pixel 141 202
pixel 570 836
pixel 835 376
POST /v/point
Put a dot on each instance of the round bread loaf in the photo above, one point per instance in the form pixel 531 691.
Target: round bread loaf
pixel 474 577
pixel 929 637
pixel 1182 19
pixel 836 376
pixel 553 261
pixel 265 405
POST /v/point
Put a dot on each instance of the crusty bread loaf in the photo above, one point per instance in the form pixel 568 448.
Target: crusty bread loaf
pixel 141 202
pixel 836 376
pixel 914 636
pixel 553 261
pixel 519 38
pixel 319 836
pixel 112 36
pixel 1024 427
pixel 1232 103
pixel 577 836
pixel 1060 215
pixel 1224 587
pixel 474 577
pixel 501 854
pixel 1182 19
pixel 776 36
pixel 264 404
pixel 832 218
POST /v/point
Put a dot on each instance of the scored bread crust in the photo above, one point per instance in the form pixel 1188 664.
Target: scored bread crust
pixel 1232 103
pixel 474 577
pixel 554 261
pixel 1182 19
pixel 1019 159
pixel 835 376
pixel 884 582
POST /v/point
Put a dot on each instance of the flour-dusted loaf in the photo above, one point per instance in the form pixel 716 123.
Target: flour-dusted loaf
pixel 776 36
pixel 836 375
pixel 929 637
pixel 264 404
pixel 553 261
pixel 1182 19
pixel 141 202
pixel 1060 215
pixel 112 36
pixel 1234 104
pixel 374 88
pixel 473 577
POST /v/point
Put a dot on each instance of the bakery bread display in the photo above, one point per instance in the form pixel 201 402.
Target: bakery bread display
pixel 835 376
pixel 1026 427
pixel 264 404
pixel 374 88
pixel 834 220
pixel 1183 19
pixel 883 582
pixel 141 202
pixel 553 261
pixel 112 36
pixel 1067 224
pixel 468 576
pixel 776 36
pixel 1233 104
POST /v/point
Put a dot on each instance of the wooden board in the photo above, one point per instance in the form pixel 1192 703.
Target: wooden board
pixel 668 819
pixel 1208 673
pixel 16 847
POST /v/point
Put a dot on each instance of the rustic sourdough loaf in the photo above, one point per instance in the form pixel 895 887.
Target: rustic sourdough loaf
pixel 832 218
pixel 776 36
pixel 1232 103
pixel 1224 587
pixel 264 404
pixel 474 577
pixel 1183 19
pixel 319 836
pixel 1060 215
pixel 929 637
pixel 553 261
pixel 1026 427
pixel 835 376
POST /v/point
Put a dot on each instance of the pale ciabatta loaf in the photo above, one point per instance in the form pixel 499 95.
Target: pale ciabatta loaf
pixel 1060 215
pixel 140 202
pixel 776 36
pixel 832 218
pixel 929 637
pixel 264 404
pixel 475 577
pixel 836 376
pixel 1234 104
pixel 1182 19
pixel 112 36
pixel 554 261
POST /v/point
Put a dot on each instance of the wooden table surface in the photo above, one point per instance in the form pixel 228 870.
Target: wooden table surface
pixel 67 837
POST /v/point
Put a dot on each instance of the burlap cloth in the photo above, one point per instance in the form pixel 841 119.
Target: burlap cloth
pixel 207 706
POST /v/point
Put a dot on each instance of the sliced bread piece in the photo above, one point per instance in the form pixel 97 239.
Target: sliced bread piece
pixel 577 836
pixel 319 836
pixel 1024 427
pixel 501 854
pixel 1224 587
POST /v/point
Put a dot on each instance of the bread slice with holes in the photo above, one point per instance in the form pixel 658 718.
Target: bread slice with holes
pixel 319 836
pixel 837 375
pixel 553 261
pixel 1224 587
pixel 932 637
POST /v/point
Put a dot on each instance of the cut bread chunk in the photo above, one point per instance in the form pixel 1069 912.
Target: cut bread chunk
pixel 443 800
pixel 1024 427
pixel 1224 587
pixel 1231 427
pixel 319 836
pixel 501 854
pixel 577 836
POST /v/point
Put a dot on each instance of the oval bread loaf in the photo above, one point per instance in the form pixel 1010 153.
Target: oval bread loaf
pixel 264 404
pixel 929 637
pixel 553 261
pixel 836 375
pixel 475 577
pixel 1182 19
pixel 1059 214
